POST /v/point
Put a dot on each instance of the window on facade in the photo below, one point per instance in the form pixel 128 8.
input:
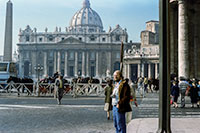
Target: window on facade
pixel 63 56
pixel 27 38
pixel 51 54
pixel 92 39
pixel 103 39
pixel 92 71
pixel 92 56
pixel 63 38
pixel 116 66
pixel 50 38
pixel 71 56
pixel 117 37
pixel 40 39
pixel 80 38
pixel 71 71
pixel 50 73
pixel 118 55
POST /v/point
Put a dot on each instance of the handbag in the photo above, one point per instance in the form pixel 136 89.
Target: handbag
pixel 106 107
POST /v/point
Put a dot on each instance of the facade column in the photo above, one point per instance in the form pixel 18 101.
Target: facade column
pixel 55 61
pixel 83 64
pixel 59 62
pixel 76 64
pixel 97 64
pixel 45 64
pixel 66 63
pixel 149 70
pixel 142 70
pixel 197 39
pixel 125 70
pixel 34 63
pixel 128 72
pixel 139 68
pixel 20 64
pixel 109 65
pixel 183 43
pixel 173 37
pixel 156 70
pixel 87 64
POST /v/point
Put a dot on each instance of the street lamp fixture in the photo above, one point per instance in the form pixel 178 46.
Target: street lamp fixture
pixel 38 68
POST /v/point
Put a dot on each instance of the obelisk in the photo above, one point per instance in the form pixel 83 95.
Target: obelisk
pixel 8 33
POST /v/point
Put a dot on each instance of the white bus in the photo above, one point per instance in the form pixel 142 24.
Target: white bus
pixel 7 69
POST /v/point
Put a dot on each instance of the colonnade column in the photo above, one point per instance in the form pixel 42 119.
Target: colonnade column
pixel 83 64
pixel 156 70
pixel 128 72
pixel 149 70
pixel 76 64
pixel 139 68
pixel 142 72
pixel 125 71
pixel 97 64
pixel 197 39
pixel 59 62
pixel 66 63
pixel 183 43
pixel 55 61
pixel 20 64
pixel 172 37
pixel 45 64
pixel 34 62
pixel 87 65
pixel 109 62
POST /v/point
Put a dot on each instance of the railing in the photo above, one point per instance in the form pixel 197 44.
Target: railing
pixel 88 89
pixel 38 89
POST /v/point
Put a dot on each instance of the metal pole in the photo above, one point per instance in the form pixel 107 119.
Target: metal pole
pixel 164 71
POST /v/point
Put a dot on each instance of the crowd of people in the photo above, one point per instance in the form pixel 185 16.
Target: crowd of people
pixel 185 87
pixel 120 101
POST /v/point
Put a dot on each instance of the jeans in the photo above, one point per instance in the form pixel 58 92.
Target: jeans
pixel 119 121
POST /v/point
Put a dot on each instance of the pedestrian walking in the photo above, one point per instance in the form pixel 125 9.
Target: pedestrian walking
pixel 120 102
pixel 140 86
pixel 108 99
pixel 183 84
pixel 145 82
pixel 175 93
pixel 194 94
pixel 59 88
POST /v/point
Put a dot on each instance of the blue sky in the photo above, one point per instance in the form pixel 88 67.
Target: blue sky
pixel 129 14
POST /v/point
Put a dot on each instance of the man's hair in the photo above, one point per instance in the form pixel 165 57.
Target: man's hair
pixel 119 72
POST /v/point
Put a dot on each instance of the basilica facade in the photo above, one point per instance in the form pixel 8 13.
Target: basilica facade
pixel 82 49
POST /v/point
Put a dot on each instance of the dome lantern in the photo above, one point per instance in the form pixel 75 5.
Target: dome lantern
pixel 86 4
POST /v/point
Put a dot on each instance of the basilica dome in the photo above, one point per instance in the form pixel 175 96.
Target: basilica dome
pixel 86 19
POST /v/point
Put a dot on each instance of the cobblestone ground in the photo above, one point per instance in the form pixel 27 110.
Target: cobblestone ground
pixel 75 115
pixel 82 115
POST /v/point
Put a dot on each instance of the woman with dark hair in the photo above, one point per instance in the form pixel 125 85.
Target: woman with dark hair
pixel 175 93
pixel 194 94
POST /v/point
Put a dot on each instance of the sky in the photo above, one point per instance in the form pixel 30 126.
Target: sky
pixel 129 14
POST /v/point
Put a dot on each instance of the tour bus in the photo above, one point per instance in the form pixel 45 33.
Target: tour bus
pixel 7 69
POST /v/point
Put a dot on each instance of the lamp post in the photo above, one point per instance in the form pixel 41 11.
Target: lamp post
pixel 38 68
